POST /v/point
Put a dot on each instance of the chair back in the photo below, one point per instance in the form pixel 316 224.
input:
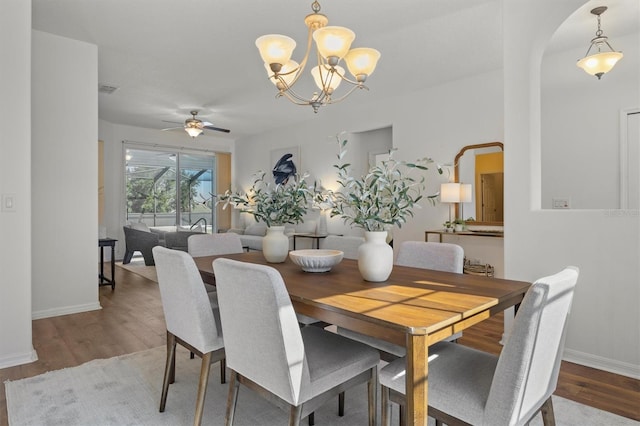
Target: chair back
pixel 262 337
pixel 527 370
pixel 186 306
pixel 428 255
pixel 214 244
pixel 349 245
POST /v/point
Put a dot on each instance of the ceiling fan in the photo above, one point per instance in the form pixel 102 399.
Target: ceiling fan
pixel 194 126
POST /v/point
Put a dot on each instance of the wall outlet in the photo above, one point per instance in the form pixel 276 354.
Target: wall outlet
pixel 561 203
pixel 8 202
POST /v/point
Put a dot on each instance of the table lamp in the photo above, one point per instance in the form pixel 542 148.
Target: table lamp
pixel 450 193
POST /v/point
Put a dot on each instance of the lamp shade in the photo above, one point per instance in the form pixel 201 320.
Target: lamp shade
pixel 193 131
pixel 600 63
pixel 362 61
pixel 333 41
pixel 450 192
pixel 275 48
pixel 286 72
pixel 466 193
pixel 324 78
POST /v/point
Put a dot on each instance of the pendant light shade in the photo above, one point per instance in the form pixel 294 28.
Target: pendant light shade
pixel 605 57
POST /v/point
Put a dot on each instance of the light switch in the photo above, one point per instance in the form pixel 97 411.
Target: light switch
pixel 8 202
pixel 561 203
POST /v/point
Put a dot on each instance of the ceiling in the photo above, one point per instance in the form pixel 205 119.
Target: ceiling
pixel 169 57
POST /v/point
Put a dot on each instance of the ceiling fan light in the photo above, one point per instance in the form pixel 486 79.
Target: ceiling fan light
pixel 599 63
pixel 275 48
pixel 362 61
pixel 193 131
pixel 324 78
pixel 333 41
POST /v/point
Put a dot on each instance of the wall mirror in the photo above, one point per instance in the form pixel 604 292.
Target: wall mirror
pixel 482 166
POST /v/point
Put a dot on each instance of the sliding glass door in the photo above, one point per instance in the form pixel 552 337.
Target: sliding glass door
pixel 155 181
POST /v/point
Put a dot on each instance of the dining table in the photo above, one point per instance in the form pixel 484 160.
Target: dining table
pixel 414 308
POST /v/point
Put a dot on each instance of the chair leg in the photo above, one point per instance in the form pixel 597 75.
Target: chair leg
pixel 202 387
pixel 223 371
pixel 127 257
pixel 295 415
pixel 341 404
pixel 232 399
pixel 386 406
pixel 169 369
pixel 548 417
pixel 372 386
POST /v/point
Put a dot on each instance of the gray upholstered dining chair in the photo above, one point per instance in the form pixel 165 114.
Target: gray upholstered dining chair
pixel 189 318
pixel 298 368
pixel 214 244
pixel 467 386
pixel 417 254
pixel 347 244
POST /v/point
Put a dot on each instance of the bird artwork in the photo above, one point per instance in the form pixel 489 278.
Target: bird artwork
pixel 284 169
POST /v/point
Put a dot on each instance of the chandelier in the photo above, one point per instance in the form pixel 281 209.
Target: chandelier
pixel 600 62
pixel 332 46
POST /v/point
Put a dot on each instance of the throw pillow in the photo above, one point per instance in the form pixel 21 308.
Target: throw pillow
pixel 256 229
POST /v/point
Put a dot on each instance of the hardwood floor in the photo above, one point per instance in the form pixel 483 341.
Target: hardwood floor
pixel 132 320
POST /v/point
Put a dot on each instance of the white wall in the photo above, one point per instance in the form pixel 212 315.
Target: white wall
pixel 435 122
pixel 113 137
pixel 15 178
pixel 604 329
pixel 64 162
pixel 581 128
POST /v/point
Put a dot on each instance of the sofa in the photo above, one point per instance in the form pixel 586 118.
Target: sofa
pixel 252 235
pixel 139 237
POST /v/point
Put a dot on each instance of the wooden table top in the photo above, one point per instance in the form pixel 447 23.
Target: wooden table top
pixel 412 301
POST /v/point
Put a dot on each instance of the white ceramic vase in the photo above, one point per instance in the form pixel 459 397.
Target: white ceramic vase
pixel 322 223
pixel 375 257
pixel 275 245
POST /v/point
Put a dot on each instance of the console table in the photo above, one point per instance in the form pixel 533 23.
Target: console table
pixel 495 234
pixel 102 243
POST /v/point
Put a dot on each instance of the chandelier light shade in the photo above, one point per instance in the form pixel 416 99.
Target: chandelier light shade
pixel 333 45
pixel 604 57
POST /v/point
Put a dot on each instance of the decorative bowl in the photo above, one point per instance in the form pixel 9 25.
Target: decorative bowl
pixel 315 260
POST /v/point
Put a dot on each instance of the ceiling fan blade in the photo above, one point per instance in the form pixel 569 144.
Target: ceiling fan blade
pixel 217 129
pixel 173 122
pixel 173 128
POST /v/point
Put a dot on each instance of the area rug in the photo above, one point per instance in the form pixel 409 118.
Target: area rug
pixel 125 390
pixel 137 266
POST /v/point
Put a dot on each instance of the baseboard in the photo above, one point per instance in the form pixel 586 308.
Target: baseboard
pixel 65 310
pixel 601 363
pixel 18 359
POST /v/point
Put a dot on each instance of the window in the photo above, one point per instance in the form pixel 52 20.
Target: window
pixel 155 180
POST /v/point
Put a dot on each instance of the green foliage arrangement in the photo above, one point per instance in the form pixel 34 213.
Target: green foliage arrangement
pixel 384 197
pixel 271 203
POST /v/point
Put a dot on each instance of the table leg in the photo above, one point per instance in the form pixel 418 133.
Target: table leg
pixel 113 266
pixel 416 380
pixel 101 264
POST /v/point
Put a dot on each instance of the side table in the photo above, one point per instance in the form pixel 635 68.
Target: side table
pixel 315 237
pixel 102 243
